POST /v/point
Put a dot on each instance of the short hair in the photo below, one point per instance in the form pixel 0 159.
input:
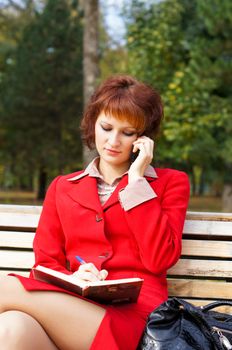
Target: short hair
pixel 124 98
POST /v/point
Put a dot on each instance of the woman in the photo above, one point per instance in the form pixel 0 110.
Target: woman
pixel 124 218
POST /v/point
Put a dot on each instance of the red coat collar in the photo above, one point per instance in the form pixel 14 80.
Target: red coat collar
pixel 84 191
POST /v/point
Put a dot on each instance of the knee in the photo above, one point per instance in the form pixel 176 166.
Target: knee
pixel 13 329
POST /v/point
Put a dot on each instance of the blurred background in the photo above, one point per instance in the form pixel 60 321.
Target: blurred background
pixel 53 53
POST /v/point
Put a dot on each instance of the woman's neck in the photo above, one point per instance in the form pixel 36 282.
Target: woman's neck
pixel 111 172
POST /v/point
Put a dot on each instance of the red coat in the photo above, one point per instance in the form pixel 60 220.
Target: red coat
pixel 144 241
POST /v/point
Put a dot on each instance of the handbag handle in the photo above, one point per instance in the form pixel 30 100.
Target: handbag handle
pixel 207 307
pixel 216 304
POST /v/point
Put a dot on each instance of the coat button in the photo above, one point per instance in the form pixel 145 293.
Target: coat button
pixel 98 217
pixel 104 255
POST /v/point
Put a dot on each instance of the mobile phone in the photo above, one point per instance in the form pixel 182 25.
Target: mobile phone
pixel 133 155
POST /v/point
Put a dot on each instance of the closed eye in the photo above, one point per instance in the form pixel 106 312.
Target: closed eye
pixel 127 133
pixel 106 129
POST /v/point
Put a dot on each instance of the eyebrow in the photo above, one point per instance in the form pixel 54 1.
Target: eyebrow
pixel 124 127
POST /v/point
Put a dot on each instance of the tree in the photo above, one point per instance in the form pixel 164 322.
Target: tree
pixel 113 53
pixel 154 41
pixel 183 48
pixel 43 93
pixel 14 17
pixel 91 57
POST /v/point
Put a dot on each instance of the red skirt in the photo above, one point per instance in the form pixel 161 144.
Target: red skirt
pixel 122 325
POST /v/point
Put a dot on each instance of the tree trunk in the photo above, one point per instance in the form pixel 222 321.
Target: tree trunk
pixel 90 63
pixel 227 198
pixel 193 182
pixel 42 182
pixel 202 182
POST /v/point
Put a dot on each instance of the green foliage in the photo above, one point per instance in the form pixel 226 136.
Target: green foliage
pixel 155 41
pixel 42 92
pixel 112 56
pixel 184 49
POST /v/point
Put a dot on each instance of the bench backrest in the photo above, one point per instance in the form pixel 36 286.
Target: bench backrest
pixel 203 273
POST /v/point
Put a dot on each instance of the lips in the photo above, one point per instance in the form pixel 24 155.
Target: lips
pixel 112 151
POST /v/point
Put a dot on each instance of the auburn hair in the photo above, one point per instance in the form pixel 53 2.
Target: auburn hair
pixel 124 98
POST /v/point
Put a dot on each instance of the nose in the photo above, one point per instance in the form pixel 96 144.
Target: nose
pixel 114 139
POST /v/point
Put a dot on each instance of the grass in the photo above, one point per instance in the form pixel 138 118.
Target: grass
pixel 205 203
pixel 18 197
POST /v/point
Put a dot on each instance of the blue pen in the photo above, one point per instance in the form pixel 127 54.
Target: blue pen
pixel 81 261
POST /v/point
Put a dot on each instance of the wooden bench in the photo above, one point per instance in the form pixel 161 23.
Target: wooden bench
pixel 203 274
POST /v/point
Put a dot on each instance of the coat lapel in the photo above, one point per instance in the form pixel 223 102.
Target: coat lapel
pixel 84 191
pixel 114 198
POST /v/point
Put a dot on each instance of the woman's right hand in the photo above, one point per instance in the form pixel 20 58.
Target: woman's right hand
pixel 145 146
pixel 89 273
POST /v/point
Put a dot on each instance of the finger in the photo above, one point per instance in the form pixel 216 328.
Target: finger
pixel 148 145
pixel 85 276
pixel 145 153
pixel 103 274
pixel 147 141
pixel 89 267
pixel 135 149
pixel 141 146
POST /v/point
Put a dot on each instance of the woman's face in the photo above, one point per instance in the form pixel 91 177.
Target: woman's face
pixel 114 139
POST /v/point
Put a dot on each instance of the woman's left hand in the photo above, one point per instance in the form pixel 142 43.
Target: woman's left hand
pixel 145 145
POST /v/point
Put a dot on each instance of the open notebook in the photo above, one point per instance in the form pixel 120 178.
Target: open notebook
pixel 107 291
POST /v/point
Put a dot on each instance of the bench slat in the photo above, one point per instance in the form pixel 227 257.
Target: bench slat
pixel 16 259
pixel 190 247
pixel 14 239
pixel 19 220
pixel 213 216
pixel 197 288
pixel 216 249
pixel 24 220
pixel 209 268
pixel 20 209
pixel 18 272
pixel 217 228
pixel 191 215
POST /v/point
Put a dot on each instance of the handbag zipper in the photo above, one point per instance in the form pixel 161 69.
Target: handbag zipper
pixel 216 329
pixel 223 340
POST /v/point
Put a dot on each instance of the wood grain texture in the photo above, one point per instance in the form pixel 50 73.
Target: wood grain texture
pixel 197 215
pixel 203 268
pixel 209 228
pixel 206 248
pixel 199 288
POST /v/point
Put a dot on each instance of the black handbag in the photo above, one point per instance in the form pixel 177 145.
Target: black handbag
pixel 179 325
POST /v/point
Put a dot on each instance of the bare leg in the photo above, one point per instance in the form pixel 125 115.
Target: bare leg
pixel 70 322
pixel 22 332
